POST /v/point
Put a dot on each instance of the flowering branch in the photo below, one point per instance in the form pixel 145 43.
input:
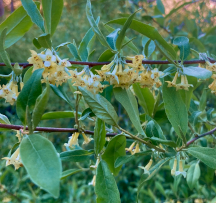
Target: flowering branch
pixel 91 64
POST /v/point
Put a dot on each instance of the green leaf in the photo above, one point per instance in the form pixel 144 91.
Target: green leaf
pixel 4 120
pixel 112 37
pixel 160 6
pixel 57 115
pixel 100 107
pixel 34 13
pixel 62 45
pixel 200 73
pixel 204 154
pixel 145 98
pixel 36 43
pixel 148 31
pixel 94 26
pixel 83 47
pixel 203 100
pixel 70 172
pixel 176 110
pixel 126 40
pixel 3 53
pixel 122 33
pixel 27 75
pixel 40 106
pixel 162 141
pixel 45 41
pixel 60 92
pixel 17 24
pixel 114 149
pixel 42 162
pixel 127 158
pixel 193 175
pixel 72 48
pixel 29 94
pixel 52 11
pixel 78 155
pixel 128 101
pixel 86 113
pixel 183 45
pixel 105 188
pixel 149 48
pixel 167 54
pixel 99 136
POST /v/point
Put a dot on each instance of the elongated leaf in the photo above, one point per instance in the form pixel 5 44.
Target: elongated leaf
pixel 40 106
pixel 74 52
pixel 27 75
pixel 52 11
pixel 114 149
pixel 176 110
pixel 42 162
pixel 148 31
pixel 149 48
pixel 29 94
pixel 127 158
pixel 4 120
pixel 204 154
pixel 62 45
pixel 17 24
pixel 183 44
pixel 162 141
pixel 3 53
pixel 60 92
pixel 34 13
pixel 126 40
pixel 57 115
pixel 77 155
pixel 160 6
pixel 145 98
pixel 70 172
pixel 105 188
pixel 100 107
pixel 128 101
pixel 45 41
pixel 83 47
pixel 99 136
pixel 112 37
pixel 122 33
pixel 36 43
pixel 200 73
pixel 193 175
pixel 94 26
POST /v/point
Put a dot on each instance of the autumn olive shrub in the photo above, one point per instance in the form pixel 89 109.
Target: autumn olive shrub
pixel 135 85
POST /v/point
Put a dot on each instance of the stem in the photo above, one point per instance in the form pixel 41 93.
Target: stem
pixel 91 64
pixel 142 141
pixel 77 108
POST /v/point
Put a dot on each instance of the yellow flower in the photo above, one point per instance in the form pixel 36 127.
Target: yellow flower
pixel 173 83
pixel 130 149
pixel 174 167
pixel 86 139
pixel 137 149
pixel 48 58
pixel 147 167
pixel 93 181
pixel 73 140
pixel 181 170
pixel 14 159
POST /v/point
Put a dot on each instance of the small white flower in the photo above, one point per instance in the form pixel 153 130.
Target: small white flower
pixel 48 57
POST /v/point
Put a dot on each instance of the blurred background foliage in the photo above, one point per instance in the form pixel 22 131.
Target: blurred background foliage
pixel 195 19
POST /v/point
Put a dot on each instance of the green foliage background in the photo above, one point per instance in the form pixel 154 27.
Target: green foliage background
pixel 194 20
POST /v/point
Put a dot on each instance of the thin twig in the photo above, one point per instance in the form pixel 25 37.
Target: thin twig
pixel 91 64
pixel 200 136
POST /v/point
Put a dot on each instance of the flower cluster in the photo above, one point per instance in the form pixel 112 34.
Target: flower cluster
pixel 181 86
pixel 122 74
pixel 54 67
pixel 88 80
pixel 10 92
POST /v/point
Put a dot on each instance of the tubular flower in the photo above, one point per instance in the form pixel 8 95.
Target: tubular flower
pixel 183 85
pixel 174 167
pixel 181 170
pixel 212 86
pixel 86 139
pixel 73 140
pixel 130 149
pixel 14 159
pixel 93 181
pixel 54 67
pixel 9 92
pixel 137 149
pixel 147 167
pixel 210 66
